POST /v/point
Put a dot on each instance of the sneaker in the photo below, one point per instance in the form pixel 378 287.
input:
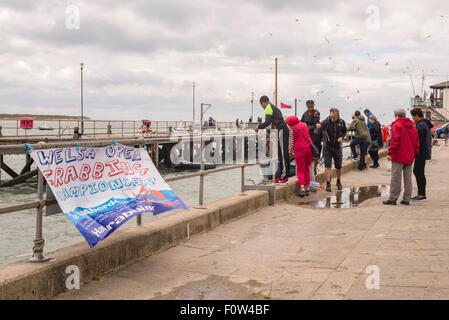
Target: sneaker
pixel 328 186
pixel 374 166
pixel 339 186
pixel 405 202
pixel 301 193
pixel 355 159
pixel 390 202
pixel 418 198
pixel 282 181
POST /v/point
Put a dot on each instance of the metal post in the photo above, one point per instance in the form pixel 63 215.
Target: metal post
pixel 156 155
pixel 201 191
pixel 193 103
pixel 94 128
pixel 242 184
pixel 82 105
pixel 252 106
pixel 276 81
pixel 122 128
pixel 17 128
pixel 39 242
pixel 273 140
pixel 296 107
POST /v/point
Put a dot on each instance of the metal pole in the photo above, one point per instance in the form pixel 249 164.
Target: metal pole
pixel 252 106
pixel 201 121
pixel 156 155
pixel 296 107
pixel 276 81
pixel 242 184
pixel 201 191
pixel 82 106
pixel 274 142
pixel 39 242
pixel 193 104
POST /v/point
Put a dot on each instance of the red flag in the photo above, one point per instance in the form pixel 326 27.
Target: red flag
pixel 285 106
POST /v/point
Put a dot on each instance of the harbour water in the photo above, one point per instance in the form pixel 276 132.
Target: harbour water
pixel 17 229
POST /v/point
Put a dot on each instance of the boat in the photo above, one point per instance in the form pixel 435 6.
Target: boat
pixel 185 165
pixel 266 170
pixel 44 127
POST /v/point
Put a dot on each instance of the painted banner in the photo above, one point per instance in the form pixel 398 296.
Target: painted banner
pixel 99 189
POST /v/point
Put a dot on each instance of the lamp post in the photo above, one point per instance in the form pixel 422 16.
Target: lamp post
pixel 193 120
pixel 252 106
pixel 82 107
pixel 276 81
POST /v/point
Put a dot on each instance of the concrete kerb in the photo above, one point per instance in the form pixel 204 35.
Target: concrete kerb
pixel 23 280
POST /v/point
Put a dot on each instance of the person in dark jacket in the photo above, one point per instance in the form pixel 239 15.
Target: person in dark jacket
pixel 375 132
pixel 425 152
pixel 274 118
pixel 361 138
pixel 334 130
pixel 311 118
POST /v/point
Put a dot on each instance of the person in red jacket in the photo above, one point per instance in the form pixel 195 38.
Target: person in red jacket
pixel 303 153
pixel 385 132
pixel 404 146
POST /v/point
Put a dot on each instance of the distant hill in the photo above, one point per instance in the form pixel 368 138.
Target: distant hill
pixel 17 116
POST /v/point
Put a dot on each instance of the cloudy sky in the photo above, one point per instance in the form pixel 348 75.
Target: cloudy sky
pixel 142 56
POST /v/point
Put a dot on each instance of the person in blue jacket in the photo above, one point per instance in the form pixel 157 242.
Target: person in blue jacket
pixel 368 114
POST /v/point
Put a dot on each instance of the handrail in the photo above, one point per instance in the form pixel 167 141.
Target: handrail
pixel 40 203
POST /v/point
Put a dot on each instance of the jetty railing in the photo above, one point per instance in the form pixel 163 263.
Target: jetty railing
pixel 40 203
pixel 51 127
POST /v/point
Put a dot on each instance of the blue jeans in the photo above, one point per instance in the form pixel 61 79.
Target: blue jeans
pixel 363 149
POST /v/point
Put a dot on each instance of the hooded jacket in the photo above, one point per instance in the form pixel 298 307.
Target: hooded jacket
pixel 404 143
pixel 311 120
pixel 301 144
pixel 332 131
pixel 428 122
pixel 359 126
pixel 376 133
pixel 368 121
pixel 425 140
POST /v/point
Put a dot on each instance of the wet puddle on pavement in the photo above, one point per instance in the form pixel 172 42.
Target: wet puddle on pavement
pixel 349 197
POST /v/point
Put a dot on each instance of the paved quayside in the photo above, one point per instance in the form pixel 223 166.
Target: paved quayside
pixel 297 252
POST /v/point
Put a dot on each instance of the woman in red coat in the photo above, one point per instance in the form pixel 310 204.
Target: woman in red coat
pixel 303 153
